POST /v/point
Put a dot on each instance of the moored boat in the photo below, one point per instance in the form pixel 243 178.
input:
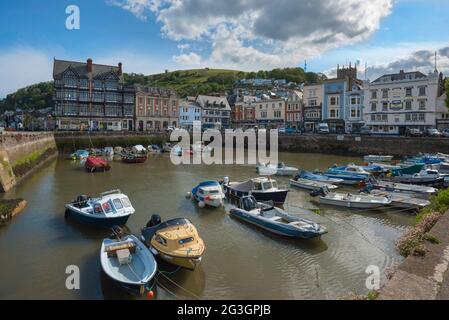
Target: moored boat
pixel 407 169
pixel 401 200
pixel 134 158
pixel 96 164
pixel 350 200
pixel 310 184
pixel 79 155
pixel 167 147
pixel 154 149
pixel 380 158
pixel 408 189
pixel 424 177
pixel 318 177
pixel 127 261
pixel 111 208
pixel 208 193
pixel 175 241
pixel 276 220
pixel 262 188
pixel 280 169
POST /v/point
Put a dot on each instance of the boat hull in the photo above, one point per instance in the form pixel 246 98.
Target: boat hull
pixel 189 263
pixel 100 222
pixel 351 204
pixel 311 185
pixel 274 228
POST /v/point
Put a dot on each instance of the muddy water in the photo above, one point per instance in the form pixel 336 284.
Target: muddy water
pixel 241 262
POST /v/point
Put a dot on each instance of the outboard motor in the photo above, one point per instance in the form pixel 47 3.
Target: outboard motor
pixel 154 221
pixel 318 192
pixel 225 181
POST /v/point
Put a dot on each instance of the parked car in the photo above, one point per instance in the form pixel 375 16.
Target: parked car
pixel 433 132
pixel 413 132
pixel 323 128
pixel 445 133
pixel 365 130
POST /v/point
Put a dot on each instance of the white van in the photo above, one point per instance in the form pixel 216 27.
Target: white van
pixel 323 128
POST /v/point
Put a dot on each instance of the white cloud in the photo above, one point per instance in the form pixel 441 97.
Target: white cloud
pixel 21 67
pixel 264 33
pixel 188 60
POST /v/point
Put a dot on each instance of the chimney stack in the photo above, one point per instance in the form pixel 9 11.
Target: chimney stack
pixel 120 68
pixel 89 65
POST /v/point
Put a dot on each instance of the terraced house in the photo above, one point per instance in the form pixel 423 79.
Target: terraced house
pixel 156 108
pixel 270 113
pixel 215 112
pixel 395 102
pixel 90 96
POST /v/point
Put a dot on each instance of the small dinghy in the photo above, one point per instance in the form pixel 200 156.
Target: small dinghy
pixel 154 149
pixel 112 208
pixel 280 169
pixel 319 177
pixel 96 164
pixel 126 260
pixel 401 200
pixel 380 158
pixel 350 200
pixel 309 184
pixel 262 188
pixel 79 155
pixel 208 193
pixel 407 189
pixel 175 241
pixel 276 220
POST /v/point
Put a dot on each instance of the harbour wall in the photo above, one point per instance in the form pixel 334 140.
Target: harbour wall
pixel 310 143
pixel 23 152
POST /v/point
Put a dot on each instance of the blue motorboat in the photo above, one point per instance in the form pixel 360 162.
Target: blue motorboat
pixel 276 220
pixel 317 177
pixel 350 174
pixel 426 160
pixel 208 193
pixel 112 208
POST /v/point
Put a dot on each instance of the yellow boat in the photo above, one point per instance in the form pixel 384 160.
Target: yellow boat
pixel 175 241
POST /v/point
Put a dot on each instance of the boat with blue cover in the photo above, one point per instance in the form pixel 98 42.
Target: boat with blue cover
pixel 111 208
pixel 208 193
pixel 276 220
pixel 318 177
pixel 79 155
pixel 350 176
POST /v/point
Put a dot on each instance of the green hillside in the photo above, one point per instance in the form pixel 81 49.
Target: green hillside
pixel 205 81
pixel 185 82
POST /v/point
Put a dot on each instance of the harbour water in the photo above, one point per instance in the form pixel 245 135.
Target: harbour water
pixel 241 261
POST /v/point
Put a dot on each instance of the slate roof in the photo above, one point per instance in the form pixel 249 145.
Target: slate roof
pixel 98 70
pixel 414 75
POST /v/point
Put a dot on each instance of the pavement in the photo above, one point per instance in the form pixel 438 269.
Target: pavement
pixel 423 278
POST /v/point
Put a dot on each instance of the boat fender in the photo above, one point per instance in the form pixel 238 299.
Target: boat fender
pixel 188 195
pixel 201 204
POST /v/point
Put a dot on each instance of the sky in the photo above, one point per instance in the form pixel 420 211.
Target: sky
pixel 150 36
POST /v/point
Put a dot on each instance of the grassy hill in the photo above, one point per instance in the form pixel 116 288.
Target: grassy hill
pixel 185 82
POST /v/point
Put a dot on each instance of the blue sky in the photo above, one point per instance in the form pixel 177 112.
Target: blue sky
pixel 149 36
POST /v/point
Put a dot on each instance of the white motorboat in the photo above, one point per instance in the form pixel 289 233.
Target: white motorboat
pixel 424 177
pixel 280 169
pixel 350 200
pixel 208 193
pixel 380 158
pixel 310 185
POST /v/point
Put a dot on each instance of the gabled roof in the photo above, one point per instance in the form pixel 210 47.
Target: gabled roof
pixel 80 68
